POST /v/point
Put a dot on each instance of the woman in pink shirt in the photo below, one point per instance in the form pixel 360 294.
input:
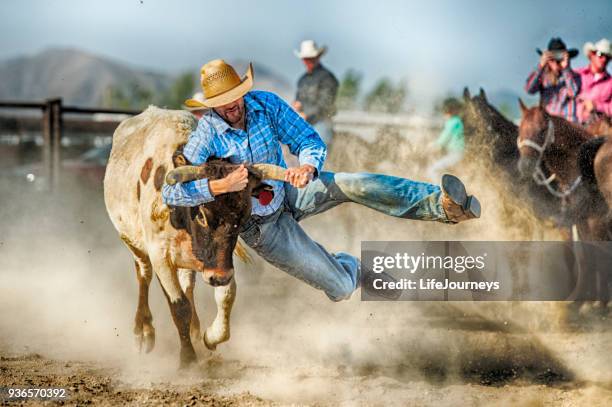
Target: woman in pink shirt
pixel 596 88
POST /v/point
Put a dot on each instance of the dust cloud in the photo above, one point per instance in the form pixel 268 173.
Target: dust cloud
pixel 68 292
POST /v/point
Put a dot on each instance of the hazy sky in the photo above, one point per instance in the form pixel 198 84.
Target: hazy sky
pixel 434 45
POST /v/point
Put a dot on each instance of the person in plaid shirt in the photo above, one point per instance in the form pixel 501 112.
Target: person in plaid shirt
pixel 248 127
pixel 555 81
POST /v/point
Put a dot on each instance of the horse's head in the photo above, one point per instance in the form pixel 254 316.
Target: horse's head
pixel 536 134
pixel 476 112
pixel 599 124
pixel 488 128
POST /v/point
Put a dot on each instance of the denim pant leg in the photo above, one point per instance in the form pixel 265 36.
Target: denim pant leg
pixel 399 197
pixel 282 242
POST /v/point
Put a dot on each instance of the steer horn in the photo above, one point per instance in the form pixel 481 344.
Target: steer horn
pixel 190 173
pixel 270 171
pixel 184 174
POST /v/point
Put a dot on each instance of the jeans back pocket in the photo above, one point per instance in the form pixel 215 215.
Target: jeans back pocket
pixel 251 235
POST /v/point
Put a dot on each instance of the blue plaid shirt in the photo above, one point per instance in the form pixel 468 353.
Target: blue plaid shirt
pixel 270 121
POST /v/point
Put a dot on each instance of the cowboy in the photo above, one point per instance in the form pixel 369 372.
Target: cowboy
pixel 450 141
pixel 555 81
pixel 248 127
pixel 596 83
pixel 317 89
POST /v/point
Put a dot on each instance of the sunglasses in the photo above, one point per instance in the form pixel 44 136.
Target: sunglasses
pixel 601 54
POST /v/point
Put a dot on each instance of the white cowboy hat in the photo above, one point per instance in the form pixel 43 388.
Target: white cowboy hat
pixel 308 49
pixel 602 46
pixel 221 85
pixel 199 97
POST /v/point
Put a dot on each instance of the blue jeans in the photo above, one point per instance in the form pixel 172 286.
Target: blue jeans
pixel 281 241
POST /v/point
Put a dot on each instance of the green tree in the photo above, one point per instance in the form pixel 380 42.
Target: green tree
pixel 182 88
pixel 386 97
pixel 348 92
pixel 129 95
pixel 114 97
pixel 506 110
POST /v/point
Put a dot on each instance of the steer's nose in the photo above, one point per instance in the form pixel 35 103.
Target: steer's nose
pixel 218 277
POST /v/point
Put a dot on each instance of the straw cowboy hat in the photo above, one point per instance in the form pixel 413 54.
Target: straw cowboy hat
pixel 308 49
pixel 557 46
pixel 602 46
pixel 221 85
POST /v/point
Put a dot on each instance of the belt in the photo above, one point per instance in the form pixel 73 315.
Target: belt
pixel 259 220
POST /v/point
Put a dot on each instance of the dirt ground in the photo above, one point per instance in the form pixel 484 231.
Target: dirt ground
pixel 478 364
pixel 68 297
pixel 90 383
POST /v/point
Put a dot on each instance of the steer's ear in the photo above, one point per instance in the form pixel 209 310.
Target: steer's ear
pixel 178 158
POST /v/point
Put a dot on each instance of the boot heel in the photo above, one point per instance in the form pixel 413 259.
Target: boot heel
pixel 472 206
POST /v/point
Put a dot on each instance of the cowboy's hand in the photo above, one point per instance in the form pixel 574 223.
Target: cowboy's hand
pixel 234 181
pixel 589 106
pixel 546 56
pixel 300 176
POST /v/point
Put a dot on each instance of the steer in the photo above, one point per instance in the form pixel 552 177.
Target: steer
pixel 175 243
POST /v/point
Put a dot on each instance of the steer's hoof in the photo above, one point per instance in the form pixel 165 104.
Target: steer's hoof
pixel 145 341
pixel 209 345
pixel 188 357
pixel 215 335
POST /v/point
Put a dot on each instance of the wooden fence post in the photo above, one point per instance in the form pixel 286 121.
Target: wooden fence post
pixel 52 140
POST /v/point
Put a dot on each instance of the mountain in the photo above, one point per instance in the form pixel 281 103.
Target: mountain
pixel 84 79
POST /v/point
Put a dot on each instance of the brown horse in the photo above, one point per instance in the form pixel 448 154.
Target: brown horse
pixel 490 133
pixel 550 148
pixel 599 124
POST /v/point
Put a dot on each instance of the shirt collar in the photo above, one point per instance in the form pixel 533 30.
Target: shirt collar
pixel 217 122
pixel 250 105
pixel 602 76
pixel 587 71
pixel 316 69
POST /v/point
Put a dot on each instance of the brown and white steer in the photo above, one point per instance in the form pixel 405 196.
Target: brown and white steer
pixel 172 242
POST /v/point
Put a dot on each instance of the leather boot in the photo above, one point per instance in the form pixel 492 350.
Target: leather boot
pixel 457 204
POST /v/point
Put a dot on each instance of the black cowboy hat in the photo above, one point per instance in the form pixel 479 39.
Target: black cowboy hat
pixel 556 45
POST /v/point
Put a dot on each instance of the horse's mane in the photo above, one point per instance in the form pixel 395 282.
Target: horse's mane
pixel 494 116
pixel 563 124
pixel 487 120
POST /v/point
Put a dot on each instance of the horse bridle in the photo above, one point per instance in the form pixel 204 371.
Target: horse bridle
pixel 538 174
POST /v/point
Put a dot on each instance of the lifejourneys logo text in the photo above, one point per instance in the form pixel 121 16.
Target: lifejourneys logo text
pixel 412 264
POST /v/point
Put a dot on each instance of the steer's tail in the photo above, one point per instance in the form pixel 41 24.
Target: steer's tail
pixel 241 252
